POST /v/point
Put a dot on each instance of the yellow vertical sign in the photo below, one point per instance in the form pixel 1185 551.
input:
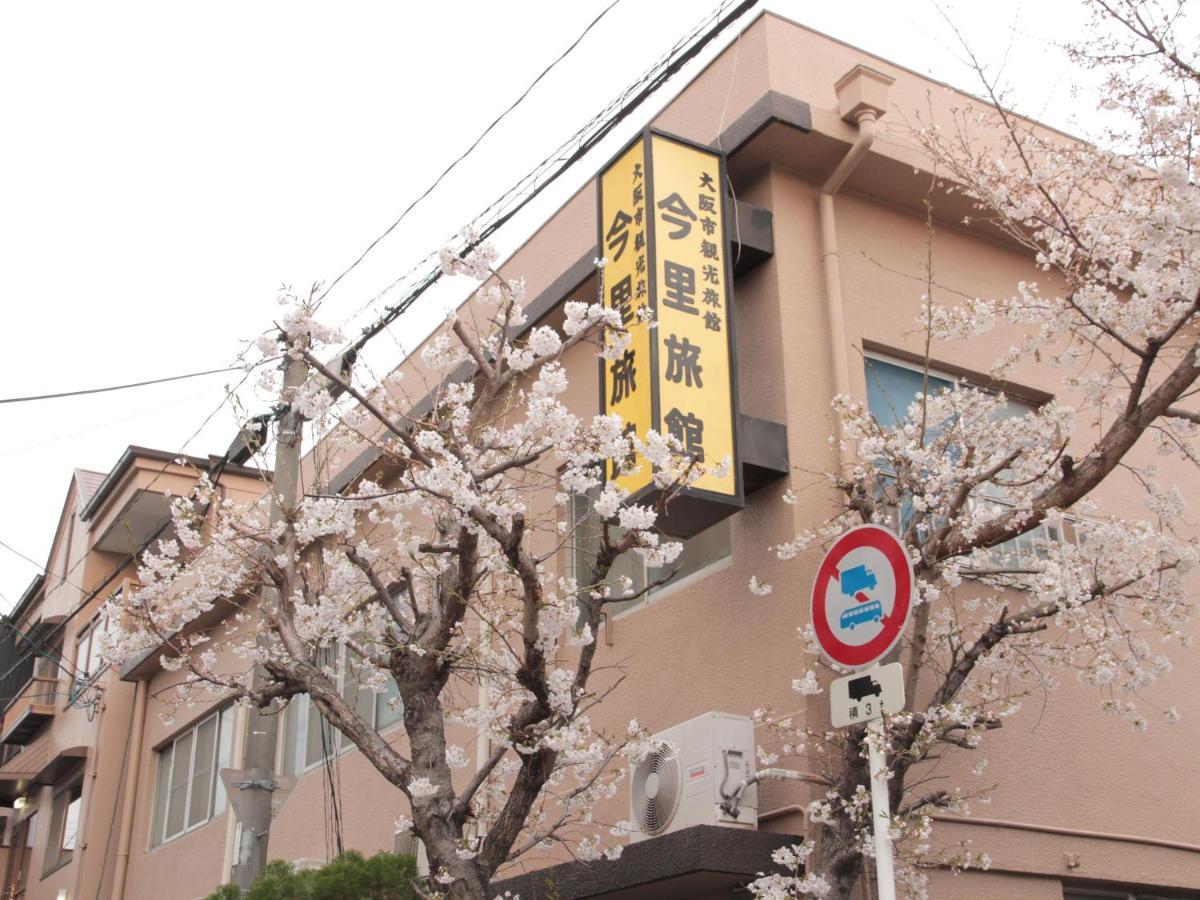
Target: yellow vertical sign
pixel 627 382
pixel 694 383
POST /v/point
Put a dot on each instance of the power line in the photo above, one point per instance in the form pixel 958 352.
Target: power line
pixel 520 194
pixel 186 398
pixel 214 471
pixel 229 393
pixel 511 202
pixel 429 190
pixel 37 650
pixel 132 384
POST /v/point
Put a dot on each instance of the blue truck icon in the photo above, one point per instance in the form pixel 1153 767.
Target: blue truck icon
pixel 855 579
pixel 853 582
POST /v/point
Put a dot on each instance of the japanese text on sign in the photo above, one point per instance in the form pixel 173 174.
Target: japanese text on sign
pixel 628 379
pixel 662 233
pixel 695 386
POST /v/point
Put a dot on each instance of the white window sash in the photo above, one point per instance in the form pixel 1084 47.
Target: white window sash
pixel 220 736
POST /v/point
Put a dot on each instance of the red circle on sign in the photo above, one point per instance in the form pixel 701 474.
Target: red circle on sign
pixel 858 656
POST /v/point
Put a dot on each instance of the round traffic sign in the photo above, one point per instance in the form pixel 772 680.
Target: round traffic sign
pixel 862 596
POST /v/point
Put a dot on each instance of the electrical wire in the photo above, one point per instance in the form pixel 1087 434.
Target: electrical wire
pixel 214 472
pixel 91 429
pixel 132 384
pixel 505 207
pixel 512 201
pixel 75 675
pixel 429 190
pixel 333 803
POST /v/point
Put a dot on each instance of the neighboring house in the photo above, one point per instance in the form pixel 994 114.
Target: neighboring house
pixel 67 727
pixel 1075 817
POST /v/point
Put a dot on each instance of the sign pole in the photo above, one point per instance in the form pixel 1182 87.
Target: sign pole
pixel 861 600
pixel 881 814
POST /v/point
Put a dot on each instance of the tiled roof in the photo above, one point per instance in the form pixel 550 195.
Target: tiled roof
pixel 88 482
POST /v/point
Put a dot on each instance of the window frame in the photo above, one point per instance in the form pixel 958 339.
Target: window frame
pixel 577 501
pixel 84 677
pixel 218 802
pixel 1027 555
pixel 897 362
pixel 301 708
pixel 57 855
pixel 1074 892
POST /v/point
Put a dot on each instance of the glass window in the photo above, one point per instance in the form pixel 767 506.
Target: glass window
pixel 699 551
pixel 203 770
pixel 388 708
pixel 1119 894
pixel 892 388
pixel 224 748
pixel 88 661
pixel 189 791
pixel 64 826
pixel 70 830
pixel 308 739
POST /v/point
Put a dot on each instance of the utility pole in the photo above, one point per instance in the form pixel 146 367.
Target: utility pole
pixel 258 767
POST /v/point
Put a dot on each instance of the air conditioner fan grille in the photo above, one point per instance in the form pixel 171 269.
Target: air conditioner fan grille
pixel 656 791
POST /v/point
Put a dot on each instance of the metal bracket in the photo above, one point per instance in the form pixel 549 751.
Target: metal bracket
pixel 261 784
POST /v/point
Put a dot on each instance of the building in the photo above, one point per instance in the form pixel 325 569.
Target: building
pixel 68 723
pixel 1108 815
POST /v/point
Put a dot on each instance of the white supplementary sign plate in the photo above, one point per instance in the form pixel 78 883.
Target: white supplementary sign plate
pixel 867 695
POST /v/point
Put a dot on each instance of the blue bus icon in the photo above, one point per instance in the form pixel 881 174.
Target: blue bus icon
pixel 864 612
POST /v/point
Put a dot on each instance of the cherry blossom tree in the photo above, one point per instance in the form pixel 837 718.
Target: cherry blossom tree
pixel 1113 228
pixel 440 577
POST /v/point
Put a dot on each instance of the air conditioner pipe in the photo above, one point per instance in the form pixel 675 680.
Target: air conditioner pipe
pixel 733 800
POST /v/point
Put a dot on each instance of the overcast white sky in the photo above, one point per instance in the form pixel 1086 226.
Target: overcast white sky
pixel 164 167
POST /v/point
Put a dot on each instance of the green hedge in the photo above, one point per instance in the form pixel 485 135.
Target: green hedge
pixel 351 876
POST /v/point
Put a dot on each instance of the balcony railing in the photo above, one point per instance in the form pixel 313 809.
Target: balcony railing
pixel 32 708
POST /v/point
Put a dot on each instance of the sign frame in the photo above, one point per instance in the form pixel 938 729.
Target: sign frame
pixel 736 500
pixel 887 683
pixel 887 542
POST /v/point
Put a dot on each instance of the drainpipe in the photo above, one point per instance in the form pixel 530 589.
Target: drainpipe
pixel 133 776
pixel 862 99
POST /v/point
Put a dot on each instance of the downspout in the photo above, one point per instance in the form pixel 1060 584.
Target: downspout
pixel 129 800
pixel 862 99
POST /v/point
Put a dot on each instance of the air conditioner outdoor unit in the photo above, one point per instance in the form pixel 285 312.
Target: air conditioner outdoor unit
pixel 407 842
pixel 682 784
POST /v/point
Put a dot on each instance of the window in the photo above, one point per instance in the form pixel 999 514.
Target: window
pixel 699 551
pixel 88 662
pixel 64 826
pixel 892 387
pixel 308 739
pixel 189 791
pixel 19 856
pixel 1121 894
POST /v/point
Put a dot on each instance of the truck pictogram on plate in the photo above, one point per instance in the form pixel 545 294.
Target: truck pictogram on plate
pixel 863 687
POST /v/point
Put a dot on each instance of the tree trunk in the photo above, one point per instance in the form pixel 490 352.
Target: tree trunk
pixel 837 851
pixel 469 884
